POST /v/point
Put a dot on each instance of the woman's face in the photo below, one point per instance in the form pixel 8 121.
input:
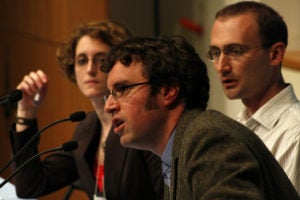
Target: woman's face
pixel 89 54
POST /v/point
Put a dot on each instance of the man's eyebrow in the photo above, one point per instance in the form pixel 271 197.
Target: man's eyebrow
pixel 235 44
pixel 120 83
pixel 213 47
pixel 81 55
pixel 228 45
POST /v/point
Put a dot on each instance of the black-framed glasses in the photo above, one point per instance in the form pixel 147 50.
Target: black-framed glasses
pixel 234 51
pixel 118 91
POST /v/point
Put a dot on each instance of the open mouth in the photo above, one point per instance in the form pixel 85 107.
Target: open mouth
pixel 117 124
pixel 229 83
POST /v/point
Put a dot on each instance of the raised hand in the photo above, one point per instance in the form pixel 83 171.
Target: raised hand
pixel 34 87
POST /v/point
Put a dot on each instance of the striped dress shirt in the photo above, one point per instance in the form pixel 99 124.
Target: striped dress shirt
pixel 277 123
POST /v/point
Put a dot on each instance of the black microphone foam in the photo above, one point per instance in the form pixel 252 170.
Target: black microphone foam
pixel 67 146
pixel 12 97
pixel 70 146
pixel 77 116
pixel 15 96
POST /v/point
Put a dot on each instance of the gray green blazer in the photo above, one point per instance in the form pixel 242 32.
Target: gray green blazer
pixel 215 157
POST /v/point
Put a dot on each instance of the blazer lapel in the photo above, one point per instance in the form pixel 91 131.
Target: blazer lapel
pixel 182 125
pixel 114 167
pixel 173 185
pixel 88 138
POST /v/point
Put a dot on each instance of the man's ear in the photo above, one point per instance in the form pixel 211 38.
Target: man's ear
pixel 170 94
pixel 277 53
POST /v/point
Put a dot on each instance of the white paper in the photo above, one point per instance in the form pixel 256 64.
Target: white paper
pixel 8 192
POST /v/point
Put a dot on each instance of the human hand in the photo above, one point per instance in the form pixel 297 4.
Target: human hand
pixel 34 88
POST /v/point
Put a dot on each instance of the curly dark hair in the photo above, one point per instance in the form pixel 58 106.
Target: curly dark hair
pixel 272 27
pixel 108 31
pixel 166 61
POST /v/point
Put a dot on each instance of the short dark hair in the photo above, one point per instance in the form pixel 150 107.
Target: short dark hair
pixel 107 31
pixel 272 27
pixel 166 61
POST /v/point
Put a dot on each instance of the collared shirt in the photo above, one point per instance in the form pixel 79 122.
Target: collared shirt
pixel 166 159
pixel 277 123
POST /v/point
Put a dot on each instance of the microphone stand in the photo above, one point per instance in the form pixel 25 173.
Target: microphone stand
pixel 68 146
pixel 29 142
pixel 77 116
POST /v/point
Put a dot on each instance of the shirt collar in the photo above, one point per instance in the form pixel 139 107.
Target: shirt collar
pixel 279 103
pixel 166 156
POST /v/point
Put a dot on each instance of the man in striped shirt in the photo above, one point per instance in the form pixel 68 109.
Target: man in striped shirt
pixel 248 42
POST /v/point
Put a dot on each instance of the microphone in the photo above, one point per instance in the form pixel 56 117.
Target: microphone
pixel 74 117
pixel 77 116
pixel 68 146
pixel 11 97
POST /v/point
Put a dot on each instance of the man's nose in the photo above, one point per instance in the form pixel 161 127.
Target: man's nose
pixel 222 64
pixel 111 104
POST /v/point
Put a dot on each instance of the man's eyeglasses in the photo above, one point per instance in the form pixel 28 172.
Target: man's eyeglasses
pixel 234 51
pixel 117 92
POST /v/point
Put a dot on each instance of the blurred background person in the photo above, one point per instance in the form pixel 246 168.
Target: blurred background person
pixel 247 46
